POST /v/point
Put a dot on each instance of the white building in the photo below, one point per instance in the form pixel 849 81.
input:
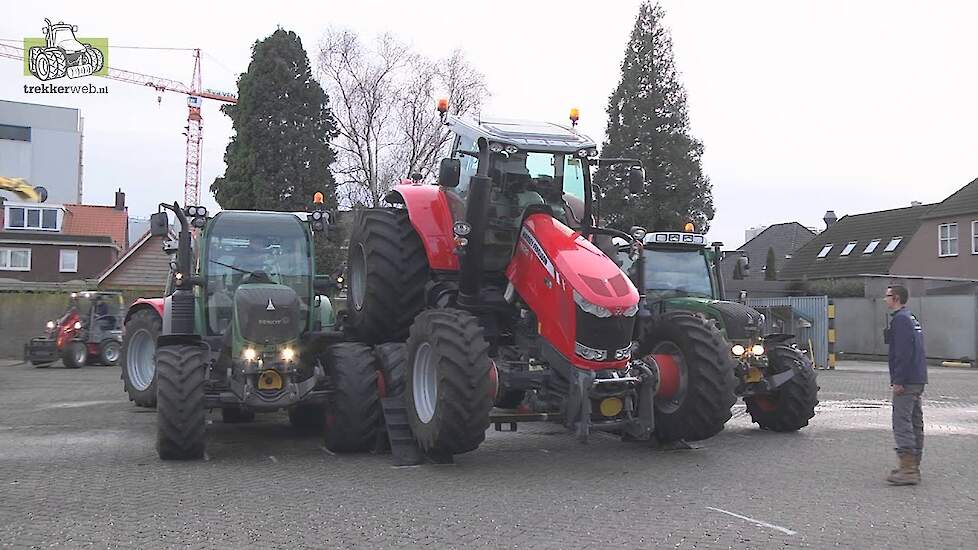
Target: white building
pixel 42 144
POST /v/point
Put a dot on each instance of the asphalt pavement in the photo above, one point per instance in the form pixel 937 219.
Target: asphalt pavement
pixel 78 469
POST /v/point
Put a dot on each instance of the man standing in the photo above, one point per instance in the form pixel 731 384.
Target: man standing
pixel 908 375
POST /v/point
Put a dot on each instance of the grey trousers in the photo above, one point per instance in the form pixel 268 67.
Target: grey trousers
pixel 908 420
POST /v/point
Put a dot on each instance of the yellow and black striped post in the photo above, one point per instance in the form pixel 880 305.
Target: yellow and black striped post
pixel 831 360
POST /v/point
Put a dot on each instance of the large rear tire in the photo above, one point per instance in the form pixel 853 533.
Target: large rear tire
pixel 450 388
pixel 701 404
pixel 353 413
pixel 137 357
pixel 392 359
pixel 388 269
pixel 793 404
pixel 180 428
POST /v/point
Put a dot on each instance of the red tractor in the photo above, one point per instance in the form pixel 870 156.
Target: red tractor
pixel 494 280
pixel 88 332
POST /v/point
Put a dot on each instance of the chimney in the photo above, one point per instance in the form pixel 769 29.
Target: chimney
pixel 829 218
pixel 120 200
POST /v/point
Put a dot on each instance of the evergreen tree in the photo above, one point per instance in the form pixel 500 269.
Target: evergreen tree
pixel 771 267
pixel 280 153
pixel 648 119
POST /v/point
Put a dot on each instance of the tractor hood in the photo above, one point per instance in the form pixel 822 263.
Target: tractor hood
pixel 739 321
pixel 267 313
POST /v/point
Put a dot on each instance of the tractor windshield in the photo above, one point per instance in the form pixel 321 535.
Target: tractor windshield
pixel 64 37
pixel 540 172
pixel 241 244
pixel 670 273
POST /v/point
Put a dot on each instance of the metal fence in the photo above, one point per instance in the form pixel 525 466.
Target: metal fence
pixel 807 317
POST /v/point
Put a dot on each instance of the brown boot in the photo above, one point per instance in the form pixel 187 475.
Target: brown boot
pixel 916 465
pixel 907 473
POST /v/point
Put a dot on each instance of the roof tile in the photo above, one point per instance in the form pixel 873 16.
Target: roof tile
pixel 83 219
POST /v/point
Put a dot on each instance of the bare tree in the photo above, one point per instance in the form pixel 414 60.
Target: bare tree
pixel 384 101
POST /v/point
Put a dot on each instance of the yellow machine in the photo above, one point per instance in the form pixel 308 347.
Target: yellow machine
pixel 23 190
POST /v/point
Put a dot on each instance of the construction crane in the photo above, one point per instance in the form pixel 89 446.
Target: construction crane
pixel 196 94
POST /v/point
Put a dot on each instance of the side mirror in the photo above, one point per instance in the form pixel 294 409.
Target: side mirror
pixel 636 180
pixel 159 224
pixel 449 172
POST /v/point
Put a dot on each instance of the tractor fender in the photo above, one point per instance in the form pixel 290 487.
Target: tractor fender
pixel 552 262
pixel 153 304
pixel 430 213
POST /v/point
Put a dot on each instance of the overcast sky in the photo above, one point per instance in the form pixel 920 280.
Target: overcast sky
pixel 802 107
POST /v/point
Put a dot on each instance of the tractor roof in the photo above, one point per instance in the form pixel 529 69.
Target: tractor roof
pixel 530 135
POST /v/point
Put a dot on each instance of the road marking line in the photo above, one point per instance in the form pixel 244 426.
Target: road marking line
pixel 327 451
pixel 754 521
pixel 273 459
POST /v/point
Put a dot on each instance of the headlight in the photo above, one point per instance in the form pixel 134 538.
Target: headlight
pixel 738 350
pixel 599 311
pixel 250 354
pixel 462 228
pixel 496 147
pixel 288 354
pixel 77 325
pixel 50 325
pixel 757 349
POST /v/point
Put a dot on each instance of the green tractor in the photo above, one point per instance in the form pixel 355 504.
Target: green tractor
pixel 678 271
pixel 248 329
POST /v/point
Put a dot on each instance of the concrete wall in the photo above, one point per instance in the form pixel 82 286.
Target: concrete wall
pixel 24 314
pixel 950 325
pixel 52 158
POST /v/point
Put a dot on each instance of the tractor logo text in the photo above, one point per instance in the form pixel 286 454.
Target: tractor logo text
pixel 60 53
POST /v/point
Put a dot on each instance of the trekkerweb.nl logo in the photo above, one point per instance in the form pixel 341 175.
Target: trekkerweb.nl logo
pixel 60 53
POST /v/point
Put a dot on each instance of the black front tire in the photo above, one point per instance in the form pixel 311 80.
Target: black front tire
pixel 353 412
pixel 709 378
pixel 450 390
pixel 793 404
pixel 74 355
pixel 109 352
pixel 387 271
pixel 181 419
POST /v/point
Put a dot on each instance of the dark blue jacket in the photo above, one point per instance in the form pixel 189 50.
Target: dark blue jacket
pixel 908 361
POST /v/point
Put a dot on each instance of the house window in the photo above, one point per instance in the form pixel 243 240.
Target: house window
pixel 848 248
pixel 825 250
pixel 22 217
pixel 15 259
pixel 974 237
pixel 947 237
pixel 894 242
pixel 871 247
pixel 68 261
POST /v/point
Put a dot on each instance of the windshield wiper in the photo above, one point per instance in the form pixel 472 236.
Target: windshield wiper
pixel 233 267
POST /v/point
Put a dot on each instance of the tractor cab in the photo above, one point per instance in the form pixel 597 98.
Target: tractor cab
pixel 245 251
